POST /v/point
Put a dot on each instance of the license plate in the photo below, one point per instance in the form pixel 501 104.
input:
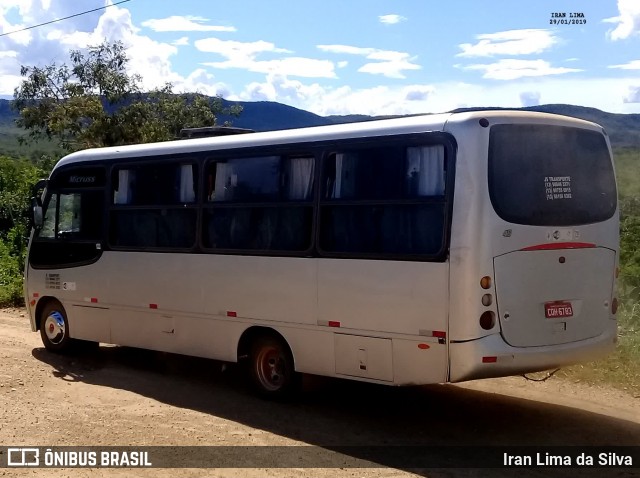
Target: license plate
pixel 554 310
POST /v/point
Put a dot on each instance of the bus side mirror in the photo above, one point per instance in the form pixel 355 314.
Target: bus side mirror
pixel 37 218
pixel 36 213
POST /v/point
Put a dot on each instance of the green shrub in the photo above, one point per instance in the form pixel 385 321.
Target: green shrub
pixel 17 176
pixel 12 253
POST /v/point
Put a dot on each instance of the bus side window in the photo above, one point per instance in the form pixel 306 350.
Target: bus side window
pixel 154 206
pixel 387 200
pixel 159 184
pixel 73 215
pixel 48 229
pixel 260 203
pixel 73 225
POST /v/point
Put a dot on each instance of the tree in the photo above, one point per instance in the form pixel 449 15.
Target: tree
pixel 95 102
pixel 16 178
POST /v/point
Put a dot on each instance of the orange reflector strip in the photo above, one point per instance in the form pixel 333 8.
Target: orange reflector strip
pixel 423 346
pixel 489 359
pixel 559 245
pixel 33 302
pixel 153 306
pixel 333 323
pixel 231 313
pixel 94 300
pixel 439 334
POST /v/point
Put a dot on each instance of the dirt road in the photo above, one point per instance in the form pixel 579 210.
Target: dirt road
pixel 121 396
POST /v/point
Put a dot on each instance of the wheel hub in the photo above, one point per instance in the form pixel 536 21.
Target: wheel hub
pixel 270 369
pixel 54 327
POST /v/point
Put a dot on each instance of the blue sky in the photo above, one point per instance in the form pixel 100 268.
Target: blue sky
pixel 355 56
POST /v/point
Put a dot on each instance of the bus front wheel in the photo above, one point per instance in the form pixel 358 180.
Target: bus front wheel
pixel 271 369
pixel 54 328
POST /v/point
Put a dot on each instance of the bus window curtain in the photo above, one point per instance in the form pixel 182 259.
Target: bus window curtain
pixel 187 190
pixel 300 178
pixel 425 170
pixel 126 185
pixel 345 182
pixel 225 181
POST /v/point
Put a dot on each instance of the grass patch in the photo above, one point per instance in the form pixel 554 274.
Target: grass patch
pixel 621 368
pixel 626 162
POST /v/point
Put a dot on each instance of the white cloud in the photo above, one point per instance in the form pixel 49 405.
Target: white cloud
pixel 34 12
pixel 257 92
pixel 388 63
pixel 277 87
pixel 293 66
pixel 628 21
pixel 418 92
pixel 187 23
pixel 21 38
pixel 632 65
pixel 512 42
pixel 182 41
pixel 511 69
pixel 391 19
pixel 201 81
pixel 530 98
pixel 7 54
pixel 243 55
pixel 633 96
pixel 148 58
pixel 390 68
pixel 24 6
pixel 38 46
pixel 349 50
pixel 236 49
pixel 323 100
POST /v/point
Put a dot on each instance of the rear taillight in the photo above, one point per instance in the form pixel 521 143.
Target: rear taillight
pixel 488 320
pixel 614 305
pixel 485 282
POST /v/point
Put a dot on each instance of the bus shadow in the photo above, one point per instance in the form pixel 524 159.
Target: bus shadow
pixel 337 413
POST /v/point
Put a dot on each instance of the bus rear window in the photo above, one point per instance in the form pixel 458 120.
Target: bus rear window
pixel 547 175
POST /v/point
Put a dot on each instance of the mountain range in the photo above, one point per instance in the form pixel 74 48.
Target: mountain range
pixel 623 129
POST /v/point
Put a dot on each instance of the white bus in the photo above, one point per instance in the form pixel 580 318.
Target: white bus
pixel 417 250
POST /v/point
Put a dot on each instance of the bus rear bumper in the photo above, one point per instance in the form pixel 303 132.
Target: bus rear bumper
pixel 491 356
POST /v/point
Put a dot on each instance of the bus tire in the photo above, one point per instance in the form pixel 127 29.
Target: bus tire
pixel 271 369
pixel 54 328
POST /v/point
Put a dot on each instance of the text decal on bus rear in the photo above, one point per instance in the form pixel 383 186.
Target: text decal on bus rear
pixel 557 187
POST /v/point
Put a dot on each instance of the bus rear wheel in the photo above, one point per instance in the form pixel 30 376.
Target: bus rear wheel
pixel 271 369
pixel 54 328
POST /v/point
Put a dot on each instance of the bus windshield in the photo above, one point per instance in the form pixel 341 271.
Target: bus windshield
pixel 548 175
